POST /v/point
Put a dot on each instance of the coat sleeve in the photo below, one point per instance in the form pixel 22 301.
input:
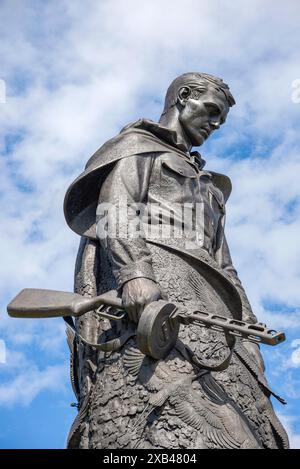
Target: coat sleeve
pixel 223 257
pixel 122 201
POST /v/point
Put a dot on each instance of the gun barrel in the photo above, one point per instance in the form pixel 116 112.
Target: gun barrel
pixel 256 332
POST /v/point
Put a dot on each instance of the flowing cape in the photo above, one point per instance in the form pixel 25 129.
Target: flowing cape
pixel 81 199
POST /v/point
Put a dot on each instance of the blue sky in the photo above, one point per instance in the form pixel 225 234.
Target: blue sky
pixel 75 73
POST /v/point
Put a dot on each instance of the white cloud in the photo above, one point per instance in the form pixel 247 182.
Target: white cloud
pixel 27 385
pixel 295 357
pixel 289 424
pixel 264 224
pixel 2 91
pixel 2 351
pixel 296 91
pixel 23 380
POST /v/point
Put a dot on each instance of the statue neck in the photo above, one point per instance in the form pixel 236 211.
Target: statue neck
pixel 170 120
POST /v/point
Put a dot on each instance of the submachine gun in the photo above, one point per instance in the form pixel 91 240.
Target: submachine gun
pixel 158 326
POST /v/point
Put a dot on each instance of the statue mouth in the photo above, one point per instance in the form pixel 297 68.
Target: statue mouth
pixel 204 132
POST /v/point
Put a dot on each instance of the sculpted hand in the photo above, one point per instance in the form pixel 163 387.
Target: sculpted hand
pixel 137 293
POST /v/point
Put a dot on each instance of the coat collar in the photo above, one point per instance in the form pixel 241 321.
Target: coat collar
pixel 169 136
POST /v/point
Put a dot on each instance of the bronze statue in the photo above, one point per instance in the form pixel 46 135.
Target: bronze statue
pixel 181 368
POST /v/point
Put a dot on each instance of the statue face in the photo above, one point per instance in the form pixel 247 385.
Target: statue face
pixel 200 117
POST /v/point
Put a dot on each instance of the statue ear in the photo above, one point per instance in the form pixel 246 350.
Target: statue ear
pixel 183 95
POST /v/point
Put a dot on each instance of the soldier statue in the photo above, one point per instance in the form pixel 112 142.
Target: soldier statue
pixel 151 221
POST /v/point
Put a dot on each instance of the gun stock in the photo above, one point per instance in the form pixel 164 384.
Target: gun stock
pixel 40 303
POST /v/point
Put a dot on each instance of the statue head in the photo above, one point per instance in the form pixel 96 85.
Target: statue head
pixel 201 103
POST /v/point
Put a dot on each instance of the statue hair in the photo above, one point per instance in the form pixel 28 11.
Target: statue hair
pixel 197 82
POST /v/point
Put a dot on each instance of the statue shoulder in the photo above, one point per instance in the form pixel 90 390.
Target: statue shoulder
pixel 222 182
pixel 82 195
pixel 130 141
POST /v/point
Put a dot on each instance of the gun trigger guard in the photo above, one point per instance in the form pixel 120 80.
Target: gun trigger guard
pixel 111 317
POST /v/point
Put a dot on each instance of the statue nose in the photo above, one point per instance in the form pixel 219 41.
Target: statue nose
pixel 215 125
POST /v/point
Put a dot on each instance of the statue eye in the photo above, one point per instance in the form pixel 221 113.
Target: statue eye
pixel 195 94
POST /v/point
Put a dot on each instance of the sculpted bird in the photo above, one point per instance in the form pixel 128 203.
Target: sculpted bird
pixel 206 409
